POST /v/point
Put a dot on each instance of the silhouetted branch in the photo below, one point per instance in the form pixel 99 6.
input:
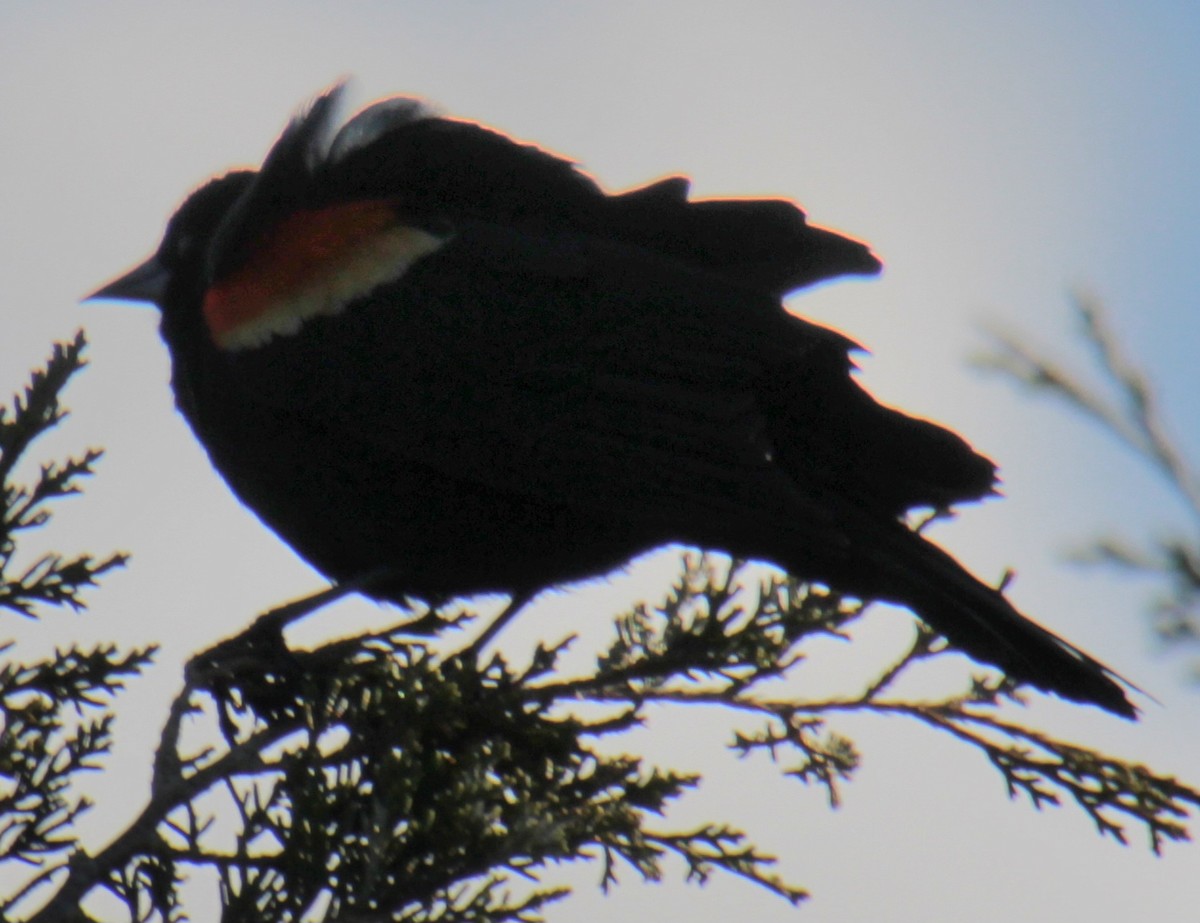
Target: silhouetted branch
pixel 1130 412
pixel 55 714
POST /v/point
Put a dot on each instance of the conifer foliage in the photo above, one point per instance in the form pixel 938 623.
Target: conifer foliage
pixel 411 775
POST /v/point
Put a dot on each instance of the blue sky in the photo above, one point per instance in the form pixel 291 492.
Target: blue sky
pixel 996 155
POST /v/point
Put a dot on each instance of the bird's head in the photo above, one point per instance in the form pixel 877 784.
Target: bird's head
pixel 256 253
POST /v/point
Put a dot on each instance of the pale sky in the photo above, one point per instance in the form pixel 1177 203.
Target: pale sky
pixel 996 155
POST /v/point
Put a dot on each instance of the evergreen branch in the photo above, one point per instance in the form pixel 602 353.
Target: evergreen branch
pixel 1132 414
pixel 52 579
pixel 38 409
pixel 712 848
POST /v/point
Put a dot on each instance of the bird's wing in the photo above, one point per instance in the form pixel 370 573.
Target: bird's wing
pixel 570 369
pixel 540 361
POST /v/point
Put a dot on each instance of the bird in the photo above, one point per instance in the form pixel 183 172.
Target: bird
pixel 414 345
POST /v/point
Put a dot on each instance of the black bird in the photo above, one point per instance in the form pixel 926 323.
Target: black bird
pixel 417 345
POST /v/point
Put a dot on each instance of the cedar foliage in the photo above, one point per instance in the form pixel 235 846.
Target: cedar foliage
pixel 386 777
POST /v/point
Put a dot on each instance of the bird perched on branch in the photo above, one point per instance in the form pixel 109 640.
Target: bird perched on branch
pixel 410 343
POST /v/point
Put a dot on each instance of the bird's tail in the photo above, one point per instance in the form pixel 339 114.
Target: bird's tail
pixel 980 621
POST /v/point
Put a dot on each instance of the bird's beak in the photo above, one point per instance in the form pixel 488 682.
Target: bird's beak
pixel 147 282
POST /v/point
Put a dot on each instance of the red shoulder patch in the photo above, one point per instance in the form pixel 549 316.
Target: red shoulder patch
pixel 310 263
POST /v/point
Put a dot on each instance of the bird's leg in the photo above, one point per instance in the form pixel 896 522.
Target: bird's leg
pixel 262 643
pixel 255 668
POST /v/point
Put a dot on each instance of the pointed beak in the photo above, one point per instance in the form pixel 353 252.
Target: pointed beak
pixel 147 282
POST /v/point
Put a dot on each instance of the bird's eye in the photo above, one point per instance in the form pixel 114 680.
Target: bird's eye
pixel 182 244
pixel 176 247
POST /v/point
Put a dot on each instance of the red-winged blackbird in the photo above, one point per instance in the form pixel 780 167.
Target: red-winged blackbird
pixel 414 344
